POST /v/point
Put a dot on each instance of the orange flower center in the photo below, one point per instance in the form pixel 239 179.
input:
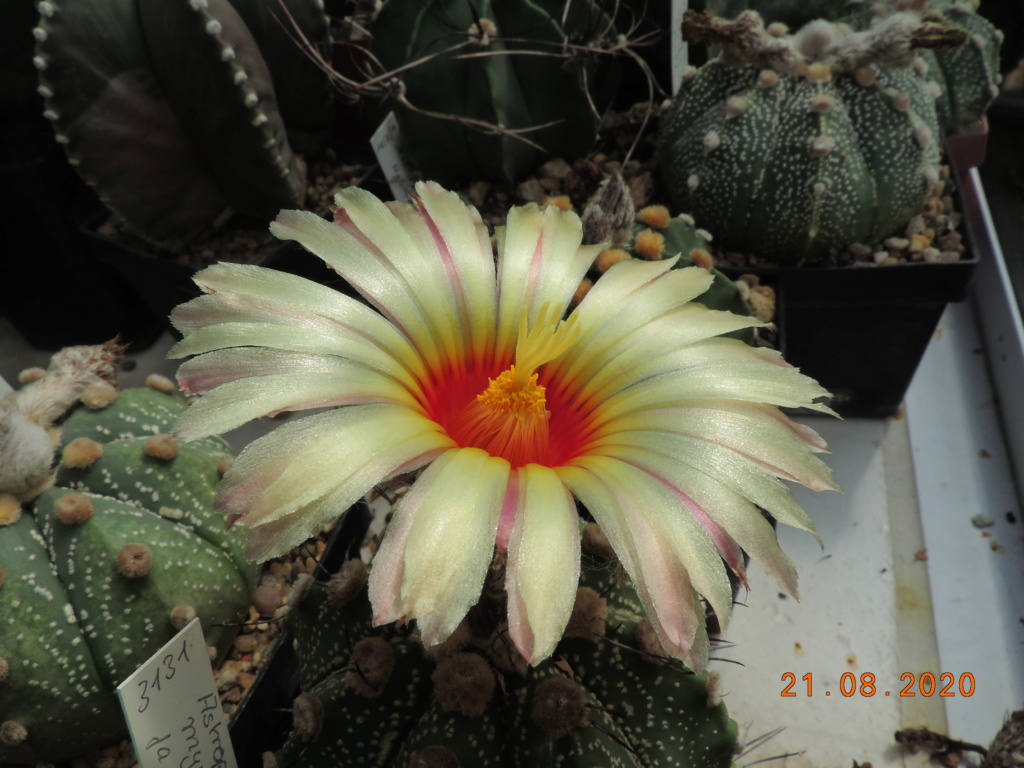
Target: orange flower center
pixel 512 417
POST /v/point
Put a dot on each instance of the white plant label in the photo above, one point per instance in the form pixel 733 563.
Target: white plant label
pixel 173 709
pixel 679 53
pixel 385 142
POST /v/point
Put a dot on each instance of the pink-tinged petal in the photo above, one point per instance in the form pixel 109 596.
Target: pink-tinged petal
pixel 243 293
pixel 363 267
pixel 660 577
pixel 612 361
pixel 540 261
pixel 641 496
pixel 439 545
pixel 233 404
pixel 713 369
pixel 737 517
pixel 543 563
pixel 300 462
pixel 765 441
pixel 461 238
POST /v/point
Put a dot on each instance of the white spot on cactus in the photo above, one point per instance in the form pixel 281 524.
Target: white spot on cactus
pixel 240 77
pixel 933 89
pixel 931 176
pixel 735 105
pixel 47 9
pixel 260 119
pixel 704 234
pixel 819 188
pixel 39 63
pixel 45 92
pixel 998 36
pixel 778 29
pixel 693 181
pixel 822 146
pixel 251 99
pixel 920 66
pixel 767 78
pixel 227 53
pixel 39 34
pixel 69 613
pixel 901 101
pixel 60 138
pixel 993 91
pixel 711 141
pixel 688 74
pixel 687 219
pixel 50 114
pixel 198 5
pixel 213 27
pixel 978 42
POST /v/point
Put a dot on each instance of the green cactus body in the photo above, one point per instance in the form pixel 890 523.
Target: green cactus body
pixel 95 570
pixel 169 110
pixel 520 80
pixel 966 74
pixel 792 166
pixel 602 698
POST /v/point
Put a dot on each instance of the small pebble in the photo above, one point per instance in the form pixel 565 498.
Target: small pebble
pixel 981 520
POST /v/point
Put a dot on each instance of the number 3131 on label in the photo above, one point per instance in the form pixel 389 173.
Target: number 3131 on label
pixel 925 684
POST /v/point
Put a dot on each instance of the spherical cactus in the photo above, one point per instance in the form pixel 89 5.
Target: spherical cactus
pixel 607 696
pixel 790 147
pixel 98 567
pixel 968 74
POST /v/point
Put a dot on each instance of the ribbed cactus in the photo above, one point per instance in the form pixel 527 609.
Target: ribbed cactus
pixel 376 697
pixel 791 147
pixel 171 111
pixel 105 567
pixel 968 74
pixel 477 68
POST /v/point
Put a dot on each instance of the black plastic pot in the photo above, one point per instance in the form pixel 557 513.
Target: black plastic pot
pixel 862 330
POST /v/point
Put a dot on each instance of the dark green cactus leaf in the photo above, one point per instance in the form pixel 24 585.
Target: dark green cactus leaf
pixel 519 80
pixel 53 687
pixel 219 86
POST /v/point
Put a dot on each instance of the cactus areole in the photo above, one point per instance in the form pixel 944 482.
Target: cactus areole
pixel 789 147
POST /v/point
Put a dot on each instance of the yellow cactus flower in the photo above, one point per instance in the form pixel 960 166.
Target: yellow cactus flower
pixel 465 366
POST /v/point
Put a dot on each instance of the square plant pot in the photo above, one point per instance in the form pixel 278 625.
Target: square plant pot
pixel 862 330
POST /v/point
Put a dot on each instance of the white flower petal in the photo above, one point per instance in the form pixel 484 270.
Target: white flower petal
pixel 300 462
pixel 460 237
pixel 640 496
pixel 543 562
pixel 690 432
pixel 435 555
pixel 740 518
pixel 540 261
pixel 234 403
pixel 659 576
pixel 717 368
pixel 367 271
